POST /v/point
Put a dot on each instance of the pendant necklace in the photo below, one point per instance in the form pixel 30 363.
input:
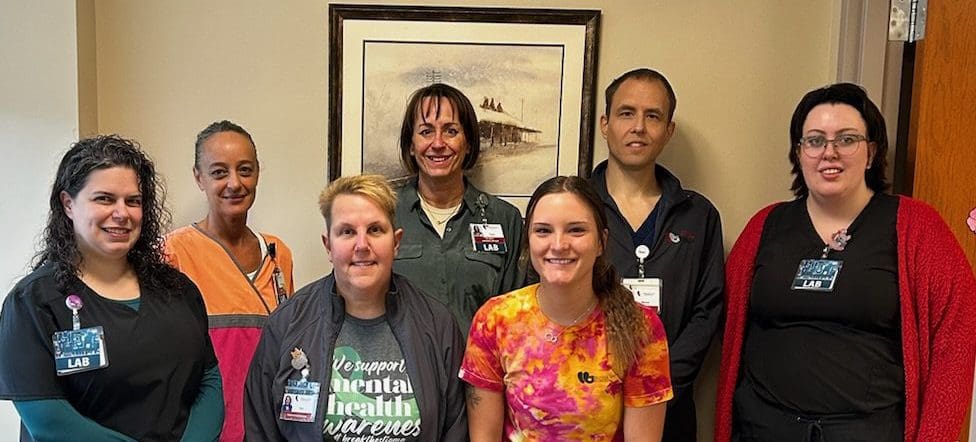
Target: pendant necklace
pixel 554 337
pixel 438 216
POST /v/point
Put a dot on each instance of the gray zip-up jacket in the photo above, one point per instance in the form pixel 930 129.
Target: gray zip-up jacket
pixel 429 338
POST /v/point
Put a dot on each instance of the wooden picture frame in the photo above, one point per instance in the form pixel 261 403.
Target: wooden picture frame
pixel 530 74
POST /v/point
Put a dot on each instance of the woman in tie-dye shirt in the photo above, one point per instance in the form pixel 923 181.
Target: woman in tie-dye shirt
pixel 574 357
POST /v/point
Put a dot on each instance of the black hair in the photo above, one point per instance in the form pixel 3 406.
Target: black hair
pixel 645 74
pixel 216 128
pixel 853 96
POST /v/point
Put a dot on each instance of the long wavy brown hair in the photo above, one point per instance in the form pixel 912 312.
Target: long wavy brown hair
pixel 59 246
pixel 627 330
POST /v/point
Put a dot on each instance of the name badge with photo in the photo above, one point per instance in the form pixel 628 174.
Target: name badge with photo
pixel 300 401
pixel 817 275
pixel 488 238
pixel 76 351
pixel 646 291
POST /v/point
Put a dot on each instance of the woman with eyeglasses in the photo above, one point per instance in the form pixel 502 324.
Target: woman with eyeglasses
pixel 849 310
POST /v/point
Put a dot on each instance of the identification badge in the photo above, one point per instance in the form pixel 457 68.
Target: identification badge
pixel 76 351
pixel 279 283
pixel 817 275
pixel 300 401
pixel 646 291
pixel 488 238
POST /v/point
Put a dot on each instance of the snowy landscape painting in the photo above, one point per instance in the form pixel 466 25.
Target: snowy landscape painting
pixel 529 73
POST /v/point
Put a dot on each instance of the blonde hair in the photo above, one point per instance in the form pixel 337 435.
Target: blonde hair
pixel 372 187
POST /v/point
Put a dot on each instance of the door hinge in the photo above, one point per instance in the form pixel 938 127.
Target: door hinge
pixel 906 21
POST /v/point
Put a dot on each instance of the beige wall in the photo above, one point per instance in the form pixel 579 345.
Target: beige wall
pixel 38 119
pixel 165 69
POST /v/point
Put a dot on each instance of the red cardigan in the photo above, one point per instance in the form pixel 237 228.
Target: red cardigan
pixel 938 315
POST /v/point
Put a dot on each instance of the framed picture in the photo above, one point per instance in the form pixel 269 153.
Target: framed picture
pixel 530 74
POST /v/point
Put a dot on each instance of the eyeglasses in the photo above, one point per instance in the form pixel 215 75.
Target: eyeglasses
pixel 814 146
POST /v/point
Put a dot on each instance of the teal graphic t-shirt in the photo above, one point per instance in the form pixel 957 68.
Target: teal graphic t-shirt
pixel 371 397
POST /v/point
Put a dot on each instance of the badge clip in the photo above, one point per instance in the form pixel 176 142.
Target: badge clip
pixel 642 253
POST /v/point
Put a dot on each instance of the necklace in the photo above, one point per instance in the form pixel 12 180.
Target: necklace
pixel 554 337
pixel 437 215
pixel 838 241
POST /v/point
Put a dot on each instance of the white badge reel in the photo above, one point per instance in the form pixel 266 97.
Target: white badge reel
pixel 646 291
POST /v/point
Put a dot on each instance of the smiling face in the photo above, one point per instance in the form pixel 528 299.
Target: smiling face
pixel 361 243
pixel 228 174
pixel 831 175
pixel 106 214
pixel 439 145
pixel 637 127
pixel 564 240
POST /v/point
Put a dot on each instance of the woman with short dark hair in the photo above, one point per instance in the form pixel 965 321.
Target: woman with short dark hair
pixel 848 310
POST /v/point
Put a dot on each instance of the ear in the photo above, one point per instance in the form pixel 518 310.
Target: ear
pixel 325 242
pixel 66 203
pixel 669 132
pixel 604 121
pixel 197 176
pixel 397 236
pixel 872 151
pixel 603 243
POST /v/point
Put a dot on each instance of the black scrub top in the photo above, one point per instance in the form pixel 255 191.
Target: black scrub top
pixel 157 355
pixel 827 352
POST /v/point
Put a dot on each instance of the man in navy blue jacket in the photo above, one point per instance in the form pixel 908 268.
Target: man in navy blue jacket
pixel 665 241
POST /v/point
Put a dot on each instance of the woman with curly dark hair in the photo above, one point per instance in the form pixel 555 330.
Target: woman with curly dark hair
pixel 103 340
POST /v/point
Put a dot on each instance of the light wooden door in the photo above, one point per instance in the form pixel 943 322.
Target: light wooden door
pixel 943 119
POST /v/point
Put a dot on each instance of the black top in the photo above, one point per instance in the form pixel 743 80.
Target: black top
pixel 827 352
pixel 156 355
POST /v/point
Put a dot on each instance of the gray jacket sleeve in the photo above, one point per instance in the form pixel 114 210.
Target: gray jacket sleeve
pixel 456 419
pixel 260 416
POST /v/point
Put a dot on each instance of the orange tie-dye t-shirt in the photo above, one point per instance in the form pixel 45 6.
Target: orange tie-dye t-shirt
pixel 565 390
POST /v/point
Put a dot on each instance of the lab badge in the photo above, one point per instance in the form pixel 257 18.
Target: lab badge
pixel 76 351
pixel 488 238
pixel 817 275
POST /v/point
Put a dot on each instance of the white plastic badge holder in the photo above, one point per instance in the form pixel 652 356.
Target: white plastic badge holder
pixel 300 401
pixel 489 238
pixel 646 291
